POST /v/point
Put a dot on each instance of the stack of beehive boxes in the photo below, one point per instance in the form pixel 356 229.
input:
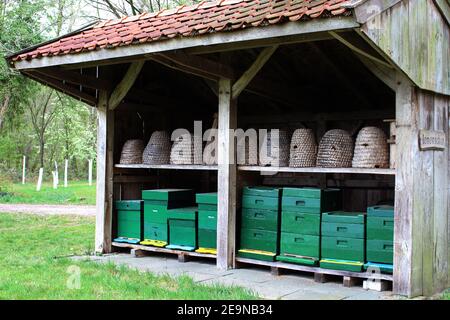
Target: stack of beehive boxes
pixel 207 222
pixel 157 203
pixel 129 221
pixel 343 240
pixel 380 238
pixel 260 221
pixel 300 222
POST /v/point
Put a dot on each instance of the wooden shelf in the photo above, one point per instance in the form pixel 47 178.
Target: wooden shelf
pixel 162 250
pixel 297 267
pixel 318 170
pixel 166 166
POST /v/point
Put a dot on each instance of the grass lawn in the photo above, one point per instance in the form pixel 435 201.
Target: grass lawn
pixel 35 264
pixel 77 192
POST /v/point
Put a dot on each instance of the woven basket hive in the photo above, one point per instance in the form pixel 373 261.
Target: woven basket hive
pixel 210 152
pixel 280 149
pixel 250 155
pixel 335 150
pixel 132 152
pixel 158 149
pixel 303 149
pixel 371 149
pixel 183 151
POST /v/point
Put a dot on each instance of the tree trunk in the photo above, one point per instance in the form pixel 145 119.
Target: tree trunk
pixel 3 109
pixel 41 152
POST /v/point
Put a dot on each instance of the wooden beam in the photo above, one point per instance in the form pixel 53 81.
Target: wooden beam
pixel 125 85
pixel 386 75
pixel 444 8
pixel 200 64
pixel 105 167
pixel 76 78
pixel 60 86
pixel 404 184
pixel 251 72
pixel 277 34
pixel 366 10
pixel 226 179
pixel 357 50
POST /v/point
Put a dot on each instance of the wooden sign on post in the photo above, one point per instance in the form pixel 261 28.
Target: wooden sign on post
pixel 432 140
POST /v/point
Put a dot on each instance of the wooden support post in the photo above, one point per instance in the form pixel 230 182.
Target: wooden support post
pixel 421 199
pixel 105 164
pixel 226 222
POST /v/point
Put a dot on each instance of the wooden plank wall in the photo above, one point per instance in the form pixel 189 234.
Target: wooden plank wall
pixel 416 37
pixel 421 225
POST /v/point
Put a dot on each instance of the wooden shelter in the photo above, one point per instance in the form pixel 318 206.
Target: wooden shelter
pixel 267 64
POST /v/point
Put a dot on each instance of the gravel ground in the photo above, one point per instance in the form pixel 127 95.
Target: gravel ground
pixel 46 209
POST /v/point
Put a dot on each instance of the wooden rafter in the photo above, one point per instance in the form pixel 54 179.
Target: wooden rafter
pixel 61 86
pixel 76 78
pixel 125 85
pixel 357 50
pixel 251 72
pixel 200 64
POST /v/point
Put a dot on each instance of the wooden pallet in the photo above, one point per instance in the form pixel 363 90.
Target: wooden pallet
pixel 139 250
pixel 349 278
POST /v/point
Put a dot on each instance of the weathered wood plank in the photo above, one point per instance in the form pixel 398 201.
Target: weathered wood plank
pixel 125 85
pixel 440 235
pixel 226 221
pixel 423 205
pixel 251 72
pixel 416 36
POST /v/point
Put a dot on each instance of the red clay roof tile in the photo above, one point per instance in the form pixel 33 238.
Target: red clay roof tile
pixel 185 21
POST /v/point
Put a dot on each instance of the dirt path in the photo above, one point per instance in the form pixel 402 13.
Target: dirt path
pixel 48 209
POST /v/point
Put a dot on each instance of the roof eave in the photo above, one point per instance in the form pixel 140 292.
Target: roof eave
pixel 237 38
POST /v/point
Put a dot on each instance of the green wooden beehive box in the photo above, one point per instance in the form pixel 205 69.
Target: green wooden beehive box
pixel 265 198
pixel 299 248
pixel 258 244
pixel 156 232
pixel 381 251
pixel 206 201
pixel 380 223
pixel 343 248
pixel 168 198
pixel 207 219
pixel 300 223
pixel 260 219
pixel 129 221
pixel 183 228
pixel 311 200
pixel 207 238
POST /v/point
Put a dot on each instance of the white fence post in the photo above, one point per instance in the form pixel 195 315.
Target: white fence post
pixel 55 179
pixel 24 169
pixel 66 167
pixel 90 172
pixel 39 183
pixel 56 174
